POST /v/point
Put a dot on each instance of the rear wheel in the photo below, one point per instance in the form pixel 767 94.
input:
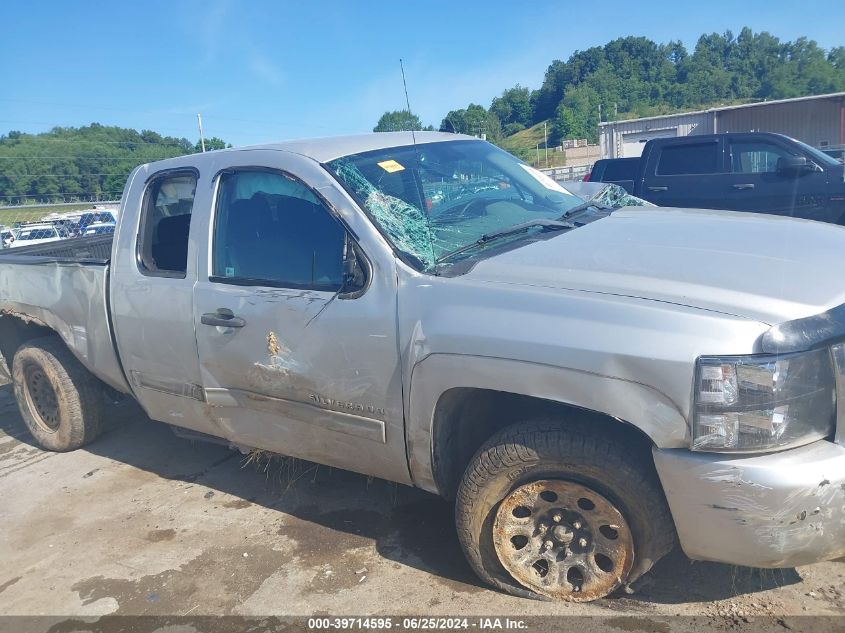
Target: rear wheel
pixel 561 513
pixel 59 400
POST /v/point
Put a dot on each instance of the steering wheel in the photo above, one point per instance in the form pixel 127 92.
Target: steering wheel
pixel 464 208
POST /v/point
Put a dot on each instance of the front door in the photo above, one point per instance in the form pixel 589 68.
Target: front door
pixel 290 362
pixel 755 184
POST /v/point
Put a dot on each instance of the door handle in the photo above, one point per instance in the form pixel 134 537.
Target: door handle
pixel 744 185
pixel 658 188
pixel 223 317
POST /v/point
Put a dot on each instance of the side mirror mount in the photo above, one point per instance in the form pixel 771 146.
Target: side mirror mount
pixel 793 166
pixel 355 276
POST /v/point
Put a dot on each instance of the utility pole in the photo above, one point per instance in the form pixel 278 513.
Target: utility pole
pixel 546 143
pixel 538 154
pixel 202 138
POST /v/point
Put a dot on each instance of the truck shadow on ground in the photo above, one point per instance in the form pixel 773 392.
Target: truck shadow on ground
pixel 327 512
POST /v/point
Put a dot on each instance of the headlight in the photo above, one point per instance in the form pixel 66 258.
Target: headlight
pixel 762 402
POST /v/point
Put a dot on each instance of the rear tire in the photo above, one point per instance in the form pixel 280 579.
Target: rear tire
pixel 59 400
pixel 561 512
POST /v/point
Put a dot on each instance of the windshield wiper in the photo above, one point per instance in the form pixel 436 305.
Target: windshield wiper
pixel 555 225
pixel 585 205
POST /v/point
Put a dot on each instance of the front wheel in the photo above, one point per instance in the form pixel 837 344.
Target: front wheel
pixel 565 513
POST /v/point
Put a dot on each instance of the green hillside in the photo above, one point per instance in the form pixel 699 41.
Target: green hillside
pixel 524 144
pixel 632 77
pixel 85 163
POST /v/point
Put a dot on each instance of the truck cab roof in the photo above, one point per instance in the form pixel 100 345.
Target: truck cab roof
pixel 694 138
pixel 324 149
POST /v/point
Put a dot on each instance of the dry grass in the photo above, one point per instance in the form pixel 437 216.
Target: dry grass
pixel 762 579
pixel 279 469
pixel 285 472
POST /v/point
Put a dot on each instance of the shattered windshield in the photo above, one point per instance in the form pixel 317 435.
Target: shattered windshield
pixel 616 197
pixel 432 199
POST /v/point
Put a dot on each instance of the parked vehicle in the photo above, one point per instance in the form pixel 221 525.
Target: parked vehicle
pixel 754 171
pixel 30 234
pixel 588 385
pixel 95 217
pixel 66 228
pixel 7 236
pixel 75 223
pixel 618 171
pixel 99 228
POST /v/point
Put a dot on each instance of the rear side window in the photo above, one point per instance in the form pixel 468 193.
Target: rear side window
pixel 688 158
pixel 620 170
pixel 270 229
pixel 166 224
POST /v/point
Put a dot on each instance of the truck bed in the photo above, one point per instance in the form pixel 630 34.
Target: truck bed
pixel 63 285
pixel 94 249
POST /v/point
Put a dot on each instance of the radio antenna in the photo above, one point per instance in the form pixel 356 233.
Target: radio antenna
pixel 407 101
pixel 416 151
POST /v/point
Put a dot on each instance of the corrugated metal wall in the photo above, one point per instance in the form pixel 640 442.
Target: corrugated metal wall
pixel 612 136
pixel 814 121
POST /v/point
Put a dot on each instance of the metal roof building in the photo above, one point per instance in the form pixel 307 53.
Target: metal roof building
pixel 817 120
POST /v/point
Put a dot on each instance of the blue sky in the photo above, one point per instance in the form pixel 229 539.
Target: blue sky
pixel 261 71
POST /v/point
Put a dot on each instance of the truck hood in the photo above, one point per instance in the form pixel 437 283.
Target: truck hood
pixel 767 268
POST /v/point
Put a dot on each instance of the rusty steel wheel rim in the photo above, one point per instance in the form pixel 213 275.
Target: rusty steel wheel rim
pixel 42 399
pixel 563 540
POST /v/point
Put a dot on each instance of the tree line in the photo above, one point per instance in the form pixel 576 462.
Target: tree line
pixel 634 77
pixel 627 77
pixel 85 163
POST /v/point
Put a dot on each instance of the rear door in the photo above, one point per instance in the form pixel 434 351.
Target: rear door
pixel 151 298
pixel 621 171
pixel 754 183
pixel 684 172
pixel 289 360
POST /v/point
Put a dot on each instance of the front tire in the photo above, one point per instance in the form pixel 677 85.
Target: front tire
pixel 59 400
pixel 561 512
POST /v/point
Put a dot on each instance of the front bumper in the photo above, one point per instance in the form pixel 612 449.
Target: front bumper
pixel 777 510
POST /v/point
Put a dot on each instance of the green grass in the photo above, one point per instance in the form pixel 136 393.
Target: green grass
pixel 9 216
pixel 24 214
pixel 524 145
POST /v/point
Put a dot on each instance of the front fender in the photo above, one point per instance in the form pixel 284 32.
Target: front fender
pixel 646 408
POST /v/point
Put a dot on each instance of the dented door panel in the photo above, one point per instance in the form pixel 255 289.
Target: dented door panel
pixel 302 378
pixel 308 373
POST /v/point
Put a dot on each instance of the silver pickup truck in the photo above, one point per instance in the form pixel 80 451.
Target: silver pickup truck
pixel 589 386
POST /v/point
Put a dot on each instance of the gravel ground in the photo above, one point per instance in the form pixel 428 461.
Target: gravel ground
pixel 144 523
